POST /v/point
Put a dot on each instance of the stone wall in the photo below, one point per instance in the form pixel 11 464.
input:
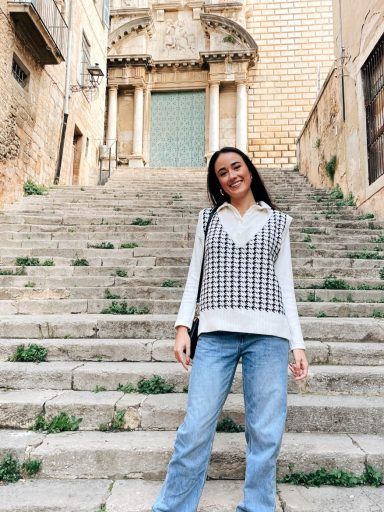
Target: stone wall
pixel 29 127
pixel 31 117
pixel 295 42
pixel 328 131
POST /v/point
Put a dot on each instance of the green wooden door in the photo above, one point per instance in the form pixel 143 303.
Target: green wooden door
pixel 177 129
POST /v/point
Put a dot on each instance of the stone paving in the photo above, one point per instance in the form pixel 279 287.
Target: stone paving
pixel 335 420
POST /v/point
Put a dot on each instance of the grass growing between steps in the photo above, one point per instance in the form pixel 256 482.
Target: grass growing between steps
pixel 156 385
pixel 169 283
pixel 116 424
pixel 79 262
pixel 11 470
pixel 335 477
pixel 129 245
pixel 227 424
pixel 32 354
pixel 27 261
pixel 101 245
pixel 119 272
pixel 60 423
pixel 20 271
pixel 141 222
pixel 122 308
pixel 109 295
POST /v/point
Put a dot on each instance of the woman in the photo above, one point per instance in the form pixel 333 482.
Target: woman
pixel 247 310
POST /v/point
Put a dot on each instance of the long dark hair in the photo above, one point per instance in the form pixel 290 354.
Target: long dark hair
pixel 258 188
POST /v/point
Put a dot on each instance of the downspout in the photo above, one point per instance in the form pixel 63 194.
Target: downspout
pixel 66 97
pixel 342 55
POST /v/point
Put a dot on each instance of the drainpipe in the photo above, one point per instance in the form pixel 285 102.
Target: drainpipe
pixel 66 96
pixel 342 55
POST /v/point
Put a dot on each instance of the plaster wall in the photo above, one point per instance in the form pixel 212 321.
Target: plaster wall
pixel 345 135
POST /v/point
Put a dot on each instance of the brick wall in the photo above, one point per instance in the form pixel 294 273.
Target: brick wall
pixel 294 38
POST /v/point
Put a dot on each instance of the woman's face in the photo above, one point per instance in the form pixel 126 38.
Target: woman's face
pixel 233 175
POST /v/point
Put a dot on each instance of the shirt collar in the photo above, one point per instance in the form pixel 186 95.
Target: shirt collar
pixel 261 205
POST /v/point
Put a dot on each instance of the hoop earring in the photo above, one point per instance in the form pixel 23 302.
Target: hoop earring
pixel 221 192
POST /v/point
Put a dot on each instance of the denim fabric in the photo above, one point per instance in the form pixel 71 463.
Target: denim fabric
pixel 265 375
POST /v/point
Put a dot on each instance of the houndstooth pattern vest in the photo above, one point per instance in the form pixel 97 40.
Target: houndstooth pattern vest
pixel 242 277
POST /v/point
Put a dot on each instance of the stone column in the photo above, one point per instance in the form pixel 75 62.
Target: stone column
pixel 136 160
pixel 214 117
pixel 112 116
pixel 241 116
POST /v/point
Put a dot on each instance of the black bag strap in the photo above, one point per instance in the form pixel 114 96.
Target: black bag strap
pixel 202 263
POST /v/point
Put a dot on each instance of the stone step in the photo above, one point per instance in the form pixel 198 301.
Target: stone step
pixel 53 305
pixel 86 376
pixel 145 454
pixel 96 349
pixel 162 326
pixel 344 414
pixel 53 495
pixel 173 292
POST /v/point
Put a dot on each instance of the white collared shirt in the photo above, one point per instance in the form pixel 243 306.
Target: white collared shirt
pixel 241 229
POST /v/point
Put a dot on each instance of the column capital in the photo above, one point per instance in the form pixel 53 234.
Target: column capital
pixel 112 87
pixel 213 82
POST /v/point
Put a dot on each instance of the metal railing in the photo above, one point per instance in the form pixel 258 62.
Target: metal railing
pixel 52 20
pixel 373 78
pixel 108 153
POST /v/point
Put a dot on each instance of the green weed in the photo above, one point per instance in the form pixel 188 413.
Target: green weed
pixel 27 261
pixel 60 423
pixel 109 295
pixel 379 239
pixel 30 284
pixel 366 216
pixel 381 273
pixel 34 189
pixel 99 389
pixel 331 283
pixel 141 222
pixel 33 353
pixel 296 168
pixel 311 231
pixel 121 308
pixel 126 388
pixel 11 470
pixel 169 283
pixel 336 193
pixel 129 245
pixel 335 477
pixel 377 314
pixel 312 297
pixel 101 245
pixel 321 314
pixel 227 424
pixel 116 424
pixel 119 272
pixel 365 255
pixel 330 167
pixel 307 238
pixel 154 386
pixel 80 262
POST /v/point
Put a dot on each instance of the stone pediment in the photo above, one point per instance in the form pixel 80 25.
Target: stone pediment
pixel 182 36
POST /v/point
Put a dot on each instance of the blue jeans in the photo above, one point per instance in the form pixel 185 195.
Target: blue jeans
pixel 265 375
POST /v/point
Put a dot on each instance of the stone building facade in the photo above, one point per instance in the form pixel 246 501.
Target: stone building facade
pixel 347 120
pixel 33 62
pixel 187 77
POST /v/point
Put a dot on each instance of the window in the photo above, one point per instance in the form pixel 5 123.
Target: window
pixel 106 12
pixel 85 61
pixel 19 72
pixel 373 80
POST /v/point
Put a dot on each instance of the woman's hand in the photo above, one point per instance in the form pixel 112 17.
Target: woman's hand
pixel 182 348
pixel 299 368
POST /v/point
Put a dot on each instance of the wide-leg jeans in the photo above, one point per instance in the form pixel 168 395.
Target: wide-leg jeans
pixel 265 374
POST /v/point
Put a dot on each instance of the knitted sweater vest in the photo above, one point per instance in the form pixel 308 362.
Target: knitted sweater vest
pixel 242 277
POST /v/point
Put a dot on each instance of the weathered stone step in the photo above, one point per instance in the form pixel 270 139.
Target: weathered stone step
pixel 162 326
pixel 55 305
pixel 86 376
pixel 145 454
pixel 96 349
pixel 132 289
pixel 345 414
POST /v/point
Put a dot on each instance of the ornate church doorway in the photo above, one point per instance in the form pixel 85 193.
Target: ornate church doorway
pixel 177 134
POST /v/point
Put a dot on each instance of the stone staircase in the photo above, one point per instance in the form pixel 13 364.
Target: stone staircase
pixel 335 420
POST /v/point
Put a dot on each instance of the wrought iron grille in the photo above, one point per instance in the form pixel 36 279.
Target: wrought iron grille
pixel 373 78
pixel 18 73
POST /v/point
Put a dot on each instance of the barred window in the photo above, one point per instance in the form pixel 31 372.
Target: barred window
pixel 19 72
pixel 373 79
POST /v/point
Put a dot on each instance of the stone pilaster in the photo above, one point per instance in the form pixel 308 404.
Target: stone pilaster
pixel 136 159
pixel 241 116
